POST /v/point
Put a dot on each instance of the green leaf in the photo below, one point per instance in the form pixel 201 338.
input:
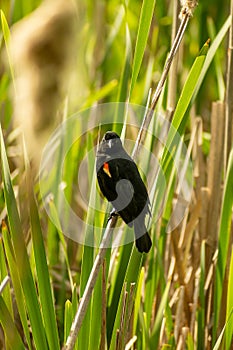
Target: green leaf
pixel 229 326
pixel 15 279
pixel 224 236
pixel 179 120
pixel 159 317
pixel 131 276
pixel 213 48
pixel 138 299
pixel 180 116
pixel 6 294
pixel 188 90
pixel 123 85
pixel 45 291
pixel 22 261
pixel 142 38
pixel 88 257
pixel 218 344
pixel 11 333
pixel 7 36
pixel 68 319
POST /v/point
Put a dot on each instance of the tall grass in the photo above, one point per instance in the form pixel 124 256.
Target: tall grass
pixel 179 295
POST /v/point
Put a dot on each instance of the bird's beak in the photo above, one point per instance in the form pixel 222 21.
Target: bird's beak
pixel 110 143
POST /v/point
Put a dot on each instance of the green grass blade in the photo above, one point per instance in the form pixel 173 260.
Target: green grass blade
pixel 123 85
pixel 138 299
pixel 190 342
pixel 6 294
pixel 124 80
pixel 229 325
pixel 224 236
pixel 131 276
pixel 116 286
pixel 145 341
pixel 217 61
pixel 218 344
pixel 68 319
pixel 11 333
pixel 15 279
pixel 56 222
pixel 211 54
pixel 179 120
pixel 69 314
pixel 6 36
pixel 87 260
pixel 21 256
pixel 154 340
pixel 142 37
pixel 45 291
pixel 180 116
pixel 88 254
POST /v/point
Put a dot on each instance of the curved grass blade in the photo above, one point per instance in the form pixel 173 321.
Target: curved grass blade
pixel 22 261
pixel 88 253
pixel 18 291
pixel 6 294
pixel 45 291
pixel 218 344
pixel 214 46
pixel 224 236
pixel 142 37
pixel 154 340
pixel 68 319
pixel 6 36
pixel 229 325
pixel 11 333
pixel 131 276
pixel 180 119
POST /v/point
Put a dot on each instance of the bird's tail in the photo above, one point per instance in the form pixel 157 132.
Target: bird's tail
pixel 143 240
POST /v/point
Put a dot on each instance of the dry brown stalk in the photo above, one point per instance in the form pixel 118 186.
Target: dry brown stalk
pixel 181 271
pixel 119 343
pixel 198 159
pixel 129 313
pixel 195 213
pixel 172 79
pixel 195 301
pixel 179 313
pixel 214 179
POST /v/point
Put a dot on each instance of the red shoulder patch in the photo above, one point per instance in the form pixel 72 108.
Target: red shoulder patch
pixel 106 169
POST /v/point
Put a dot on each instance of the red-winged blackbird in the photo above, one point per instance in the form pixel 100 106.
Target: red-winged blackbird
pixel 121 183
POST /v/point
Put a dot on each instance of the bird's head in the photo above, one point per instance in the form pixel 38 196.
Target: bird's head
pixel 112 140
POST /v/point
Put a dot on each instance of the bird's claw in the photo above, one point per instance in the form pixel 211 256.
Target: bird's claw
pixel 113 213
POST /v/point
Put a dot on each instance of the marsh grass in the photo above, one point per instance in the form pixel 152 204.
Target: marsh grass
pixel 178 296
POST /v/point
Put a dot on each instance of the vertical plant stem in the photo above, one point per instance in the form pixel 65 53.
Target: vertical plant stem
pixel 77 322
pixel 172 82
pixel 155 98
pixel 229 96
pixel 214 178
pixel 104 306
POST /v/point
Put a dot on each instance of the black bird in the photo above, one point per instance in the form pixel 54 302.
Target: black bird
pixel 121 183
